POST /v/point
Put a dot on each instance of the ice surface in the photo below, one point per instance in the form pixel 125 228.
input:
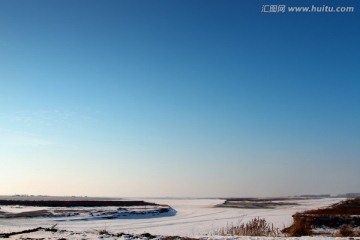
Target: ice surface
pixel 193 218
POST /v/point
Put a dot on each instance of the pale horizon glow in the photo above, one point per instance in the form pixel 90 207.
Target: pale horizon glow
pixel 177 99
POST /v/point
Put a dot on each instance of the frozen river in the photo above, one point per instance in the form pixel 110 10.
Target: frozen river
pixel 194 217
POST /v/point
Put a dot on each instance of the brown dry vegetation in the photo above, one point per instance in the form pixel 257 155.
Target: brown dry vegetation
pixel 347 231
pixel 344 216
pixel 256 227
pixel 347 207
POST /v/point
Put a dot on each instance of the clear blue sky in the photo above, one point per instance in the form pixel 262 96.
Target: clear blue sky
pixel 178 98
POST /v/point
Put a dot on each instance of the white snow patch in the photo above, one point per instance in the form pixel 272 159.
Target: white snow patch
pixel 193 218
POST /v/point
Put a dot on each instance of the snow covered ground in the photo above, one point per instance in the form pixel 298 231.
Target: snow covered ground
pixel 193 218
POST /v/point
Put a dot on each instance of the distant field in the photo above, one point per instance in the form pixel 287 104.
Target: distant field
pixel 80 209
pixel 56 198
pixel 72 203
pixel 258 203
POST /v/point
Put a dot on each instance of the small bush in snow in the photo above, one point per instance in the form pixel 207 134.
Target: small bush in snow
pixel 256 227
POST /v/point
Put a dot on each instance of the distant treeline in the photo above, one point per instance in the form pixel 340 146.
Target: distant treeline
pixel 75 203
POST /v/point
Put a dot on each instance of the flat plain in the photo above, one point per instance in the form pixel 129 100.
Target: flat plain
pixel 192 218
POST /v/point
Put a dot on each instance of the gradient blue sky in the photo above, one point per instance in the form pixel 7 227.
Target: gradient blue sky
pixel 178 98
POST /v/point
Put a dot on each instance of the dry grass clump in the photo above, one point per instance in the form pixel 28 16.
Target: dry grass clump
pixel 300 227
pixel 256 227
pixel 103 232
pixel 348 231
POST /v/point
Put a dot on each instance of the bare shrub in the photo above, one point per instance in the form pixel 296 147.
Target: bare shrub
pixel 348 231
pixel 103 231
pixel 299 228
pixel 345 231
pixel 255 227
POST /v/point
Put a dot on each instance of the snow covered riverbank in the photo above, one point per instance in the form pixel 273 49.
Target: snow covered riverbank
pixel 194 218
